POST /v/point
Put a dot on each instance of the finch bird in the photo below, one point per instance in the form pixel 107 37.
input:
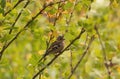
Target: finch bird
pixel 55 48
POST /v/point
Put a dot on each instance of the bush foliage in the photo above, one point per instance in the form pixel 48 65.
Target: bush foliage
pixel 27 25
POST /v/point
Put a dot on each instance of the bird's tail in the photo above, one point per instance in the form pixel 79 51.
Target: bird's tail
pixel 43 57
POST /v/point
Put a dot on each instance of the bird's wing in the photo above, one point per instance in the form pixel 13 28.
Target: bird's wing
pixel 53 46
pixel 52 49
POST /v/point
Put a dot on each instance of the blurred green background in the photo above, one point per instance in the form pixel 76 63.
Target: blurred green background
pixel 23 53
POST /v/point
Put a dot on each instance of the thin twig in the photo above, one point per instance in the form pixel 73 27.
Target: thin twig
pixel 49 63
pixel 19 1
pixel 48 42
pixel 6 45
pixel 83 55
pixel 58 14
pixel 71 13
pixel 67 23
pixel 28 23
pixel 44 56
pixel 71 65
pixel 104 52
pixel 85 44
pixel 68 20
pixel 18 16
pixel 40 12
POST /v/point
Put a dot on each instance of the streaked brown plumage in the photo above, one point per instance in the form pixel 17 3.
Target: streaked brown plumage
pixel 55 48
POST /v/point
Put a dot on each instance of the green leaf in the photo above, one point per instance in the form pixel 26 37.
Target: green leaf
pixel 1 16
pixel 6 38
pixel 68 5
pixel 1 10
pixel 3 3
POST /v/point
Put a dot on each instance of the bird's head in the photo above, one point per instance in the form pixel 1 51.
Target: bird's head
pixel 60 38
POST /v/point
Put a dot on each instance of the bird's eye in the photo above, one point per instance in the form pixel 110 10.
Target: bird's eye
pixel 55 47
pixel 58 45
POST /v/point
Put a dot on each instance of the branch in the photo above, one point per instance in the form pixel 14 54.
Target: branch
pixel 71 64
pixel 40 12
pixel 83 55
pixel 49 41
pixel 85 44
pixel 68 20
pixel 103 50
pixel 6 45
pixel 18 16
pixel 19 1
pixel 78 37
pixel 58 14
pixel 71 13
pixel 28 23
